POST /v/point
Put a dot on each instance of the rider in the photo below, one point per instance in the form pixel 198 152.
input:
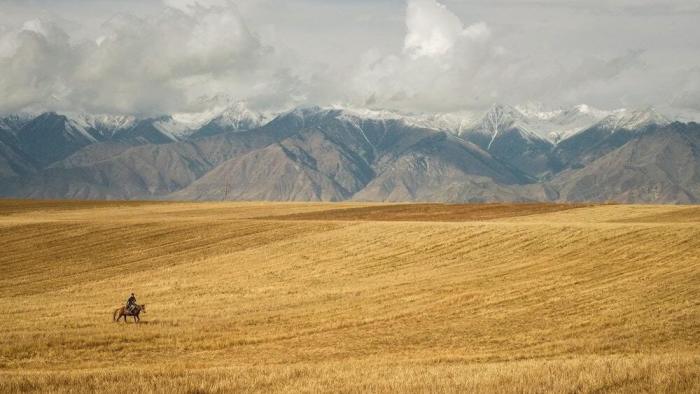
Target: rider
pixel 131 302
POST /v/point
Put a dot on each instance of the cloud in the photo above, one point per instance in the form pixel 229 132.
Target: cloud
pixel 189 6
pixel 433 30
pixel 417 55
pixel 35 63
pixel 138 66
pixel 438 64
pixel 688 97
pixel 445 65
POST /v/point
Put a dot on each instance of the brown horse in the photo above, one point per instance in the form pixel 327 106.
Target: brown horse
pixel 121 311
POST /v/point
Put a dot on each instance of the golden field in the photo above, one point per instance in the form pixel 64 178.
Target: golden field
pixel 282 297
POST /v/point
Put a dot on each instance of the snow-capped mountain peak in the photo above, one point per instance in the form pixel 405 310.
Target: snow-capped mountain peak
pixel 236 116
pixel 366 113
pixel 240 117
pixel 534 110
pixel 558 124
pixel 14 122
pixel 453 122
pixel 69 128
pixel 102 122
pixel 501 118
pixel 633 120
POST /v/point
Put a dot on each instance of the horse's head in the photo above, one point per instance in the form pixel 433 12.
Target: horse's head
pixel 143 308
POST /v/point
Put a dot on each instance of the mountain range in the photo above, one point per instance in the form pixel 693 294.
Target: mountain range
pixel 334 154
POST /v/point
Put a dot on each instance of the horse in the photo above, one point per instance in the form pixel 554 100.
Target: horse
pixel 121 311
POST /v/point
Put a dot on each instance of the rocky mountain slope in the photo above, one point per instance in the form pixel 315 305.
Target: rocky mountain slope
pixel 654 165
pixel 335 154
pixel 508 135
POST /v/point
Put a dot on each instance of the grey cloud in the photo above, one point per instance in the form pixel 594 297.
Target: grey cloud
pixel 633 7
pixel 442 56
pixel 687 96
pixel 136 65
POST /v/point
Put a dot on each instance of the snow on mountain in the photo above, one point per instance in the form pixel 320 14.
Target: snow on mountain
pixel 236 116
pixel 534 110
pixel 240 117
pixel 453 122
pixel 181 125
pixel 14 122
pixel 51 137
pixel 633 120
pixel 366 113
pixel 501 118
pixel 177 126
pixel 78 127
pixel 102 123
pixel 533 120
pixel 590 111
pixel 508 135
pixel 556 125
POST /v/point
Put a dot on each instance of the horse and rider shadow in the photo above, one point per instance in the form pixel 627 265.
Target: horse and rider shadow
pixel 131 309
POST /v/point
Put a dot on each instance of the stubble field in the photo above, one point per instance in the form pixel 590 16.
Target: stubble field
pixel 350 297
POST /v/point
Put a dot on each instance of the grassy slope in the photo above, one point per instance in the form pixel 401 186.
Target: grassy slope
pixel 591 298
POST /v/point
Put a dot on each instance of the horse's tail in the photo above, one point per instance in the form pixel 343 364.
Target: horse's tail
pixel 116 312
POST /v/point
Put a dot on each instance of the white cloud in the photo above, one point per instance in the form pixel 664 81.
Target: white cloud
pixel 193 5
pixel 421 55
pixel 36 26
pixel 445 66
pixel 433 30
pixel 34 64
pixel 440 61
pixel 143 66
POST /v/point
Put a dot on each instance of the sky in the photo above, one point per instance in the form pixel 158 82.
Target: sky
pixel 141 57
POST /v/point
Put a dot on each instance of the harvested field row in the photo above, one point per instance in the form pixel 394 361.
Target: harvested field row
pixel 433 212
pixel 581 299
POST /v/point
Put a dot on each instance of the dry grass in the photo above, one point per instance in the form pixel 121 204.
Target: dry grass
pixel 433 212
pixel 592 299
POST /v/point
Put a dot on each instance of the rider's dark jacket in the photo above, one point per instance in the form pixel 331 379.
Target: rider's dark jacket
pixel 131 301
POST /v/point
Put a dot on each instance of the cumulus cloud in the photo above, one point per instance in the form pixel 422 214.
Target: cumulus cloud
pixel 142 66
pixel 36 61
pixel 433 30
pixel 438 64
pixel 417 55
pixel 445 65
